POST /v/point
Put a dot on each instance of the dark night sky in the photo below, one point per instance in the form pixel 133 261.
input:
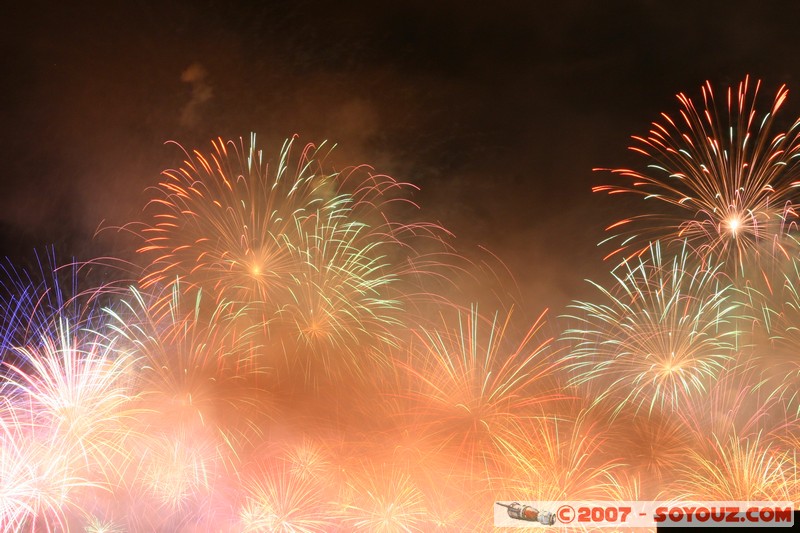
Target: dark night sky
pixel 499 112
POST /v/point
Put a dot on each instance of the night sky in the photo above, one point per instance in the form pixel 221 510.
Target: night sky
pixel 499 113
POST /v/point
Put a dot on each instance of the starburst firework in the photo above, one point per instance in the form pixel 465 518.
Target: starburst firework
pixel 657 338
pixel 719 176
pixel 472 386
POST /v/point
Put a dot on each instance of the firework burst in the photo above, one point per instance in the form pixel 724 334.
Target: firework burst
pixel 471 385
pixel 315 253
pixel 196 365
pixel 97 525
pixel 201 402
pixel 223 218
pixel 65 396
pixel 737 470
pixel 276 367
pixel 658 337
pixel 383 499
pixel 772 310
pixel 563 461
pixel 333 300
pixel 180 467
pixel 792 447
pixel 79 388
pixel 725 175
pixel 652 447
pixel 281 500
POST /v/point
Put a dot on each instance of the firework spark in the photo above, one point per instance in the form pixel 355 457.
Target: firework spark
pixel 383 499
pixel 658 337
pixel 563 461
pixel 280 500
pixel 737 470
pixel 65 397
pixel 292 357
pixel 726 177
pixel 41 474
pixel 78 387
pixel 316 252
pixel 771 309
pixel 196 364
pixel 472 386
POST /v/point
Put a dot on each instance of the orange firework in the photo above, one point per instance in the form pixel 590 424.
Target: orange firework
pixel 197 366
pixel 792 446
pixel 315 253
pixel 653 447
pixel 748 469
pixel 383 499
pixel 719 177
pixel 656 339
pixel 471 387
pixel 772 310
pixel 564 460
pixel 290 359
pixel 279 500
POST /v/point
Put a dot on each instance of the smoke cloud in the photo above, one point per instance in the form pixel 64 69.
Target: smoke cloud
pixel 195 75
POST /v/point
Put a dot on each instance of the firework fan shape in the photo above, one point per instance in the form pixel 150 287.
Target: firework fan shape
pixel 39 479
pixel 35 299
pixel 333 299
pixel 724 178
pixel 658 337
pixel 194 360
pixel 472 386
pixel 201 370
pixel 737 405
pixel 382 499
pixel 738 470
pixel 563 461
pixel 315 252
pixel 80 388
pixel 771 311
pixel 201 400
pixel 791 445
pixel 280 499
pixel 224 218
pixel 65 400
